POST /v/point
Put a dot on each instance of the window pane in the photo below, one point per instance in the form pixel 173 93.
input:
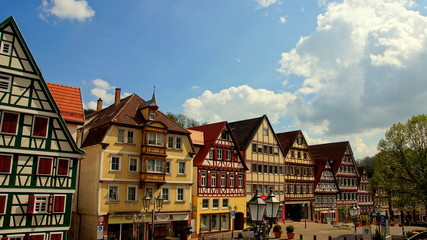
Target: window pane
pixel 120 135
pixel 215 222
pixel 130 137
pixel 225 221
pixel 10 121
pixel 40 126
pixel 45 166
pixel 5 163
pixel 63 167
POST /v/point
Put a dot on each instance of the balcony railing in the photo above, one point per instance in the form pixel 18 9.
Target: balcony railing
pixel 151 177
pixel 156 150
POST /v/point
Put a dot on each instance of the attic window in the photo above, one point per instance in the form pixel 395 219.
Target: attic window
pixel 299 141
pixel 5 48
pixel 5 83
pixel 152 115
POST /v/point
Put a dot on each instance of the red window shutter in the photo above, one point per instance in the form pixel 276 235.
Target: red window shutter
pixel 199 179
pixel 2 204
pixel 40 126
pixel 5 163
pixel 215 153
pixel 63 167
pixel 59 204
pixel 228 179
pixel 45 166
pixel 209 180
pixel 218 179
pixel 55 236
pixel 30 206
pixel 10 121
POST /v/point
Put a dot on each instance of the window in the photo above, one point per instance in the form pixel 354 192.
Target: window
pixel 40 126
pixel 155 166
pixel 56 236
pixel 270 149
pixel 113 193
pixel 181 168
pixel 215 203
pixel 38 204
pixel 304 188
pixel 292 154
pixel 291 171
pixel 240 183
pixel 3 199
pixel 130 137
pixel 228 156
pixel 265 131
pixel 120 135
pixel 155 139
pixel 152 115
pixel 299 140
pixel 62 167
pixel 133 164
pixel 165 193
pixel 5 163
pixel 59 204
pixel 232 180
pixel 223 180
pixel 115 163
pixel 203 179
pixel 9 122
pixel 5 48
pixel 291 188
pixel 225 203
pixel 15 237
pixel 219 157
pixel 205 203
pixel 265 147
pixel 149 192
pixel 36 237
pixel 299 154
pixel 5 83
pixel 254 147
pixel 170 142
pixel 211 154
pixel 168 167
pixel 213 180
pixel 224 136
pixel 44 166
pixel 132 193
pixel 180 194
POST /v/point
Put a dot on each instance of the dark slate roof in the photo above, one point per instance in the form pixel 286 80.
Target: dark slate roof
pixel 125 112
pixel 245 130
pixel 287 139
pixel 333 152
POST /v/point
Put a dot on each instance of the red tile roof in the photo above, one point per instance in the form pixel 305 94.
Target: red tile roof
pixel 69 101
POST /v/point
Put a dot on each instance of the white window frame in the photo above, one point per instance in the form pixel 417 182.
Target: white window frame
pixel 205 201
pixel 158 139
pixel 178 143
pixel 203 179
pixel 171 142
pixel 5 79
pixel 117 199
pixel 65 203
pixel 166 197
pixel 149 191
pixel 223 182
pixel 232 180
pixel 228 155
pixel 47 127
pixel 136 193
pixel 121 135
pixel 38 166
pixel 57 167
pixel 240 180
pixel 5 204
pixel 177 194
pixel 119 163
pixel 156 165
pixel 181 171
pixel 2 50
pixel 16 237
pixel 168 167
pixel 137 163
pixel 219 156
pixel 217 203
pixel 62 235
pixel 38 203
pixel 11 163
pixel 213 179
pixel 225 203
pixel 211 154
pixel 152 115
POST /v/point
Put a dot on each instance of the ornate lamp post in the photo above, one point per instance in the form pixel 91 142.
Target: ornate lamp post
pixel 258 207
pixel 354 211
pixel 157 205
pixel 134 221
pixel 232 219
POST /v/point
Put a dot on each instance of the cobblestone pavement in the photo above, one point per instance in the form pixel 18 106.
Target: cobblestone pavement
pixel 319 231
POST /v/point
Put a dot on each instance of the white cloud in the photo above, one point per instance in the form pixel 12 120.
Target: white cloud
pixel 267 3
pixel 195 87
pixel 362 70
pixel 237 103
pixel 67 9
pixel 105 91
pixel 282 20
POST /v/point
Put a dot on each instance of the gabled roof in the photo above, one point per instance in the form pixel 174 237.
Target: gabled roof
pixel 69 101
pixel 126 113
pixel 287 139
pixel 211 133
pixel 245 130
pixel 318 170
pixel 334 152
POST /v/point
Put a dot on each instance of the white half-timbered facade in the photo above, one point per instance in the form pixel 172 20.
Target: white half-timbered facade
pixel 38 157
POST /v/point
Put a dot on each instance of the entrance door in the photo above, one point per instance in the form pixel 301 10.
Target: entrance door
pixel 239 221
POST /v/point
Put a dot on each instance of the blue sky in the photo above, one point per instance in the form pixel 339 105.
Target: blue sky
pixel 338 70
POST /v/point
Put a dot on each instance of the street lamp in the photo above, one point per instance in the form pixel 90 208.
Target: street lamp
pixel 157 205
pixel 354 211
pixel 258 207
pixel 134 221
pixel 232 219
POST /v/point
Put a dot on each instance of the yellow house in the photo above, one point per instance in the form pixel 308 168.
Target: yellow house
pixel 219 194
pixel 134 151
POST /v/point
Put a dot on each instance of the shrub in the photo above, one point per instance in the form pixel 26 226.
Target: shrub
pixel 290 229
pixel 277 228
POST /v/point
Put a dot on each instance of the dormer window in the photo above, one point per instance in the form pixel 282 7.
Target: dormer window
pixel 5 83
pixel 152 115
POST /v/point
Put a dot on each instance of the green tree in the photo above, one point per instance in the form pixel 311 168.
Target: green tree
pixel 182 120
pixel 401 164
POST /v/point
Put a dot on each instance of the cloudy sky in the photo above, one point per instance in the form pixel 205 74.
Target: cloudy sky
pixel 338 70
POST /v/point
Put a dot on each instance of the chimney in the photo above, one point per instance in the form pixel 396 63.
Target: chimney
pixel 99 105
pixel 117 96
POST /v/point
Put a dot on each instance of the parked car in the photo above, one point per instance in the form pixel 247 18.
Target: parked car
pixel 419 236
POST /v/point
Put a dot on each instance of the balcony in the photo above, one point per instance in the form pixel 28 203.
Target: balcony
pixel 153 150
pixel 152 177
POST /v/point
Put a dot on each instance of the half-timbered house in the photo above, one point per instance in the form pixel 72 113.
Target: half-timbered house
pixel 299 175
pixel 219 194
pixel 364 197
pixel 343 165
pixel 134 151
pixel 326 191
pixel 38 156
pixel 263 155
